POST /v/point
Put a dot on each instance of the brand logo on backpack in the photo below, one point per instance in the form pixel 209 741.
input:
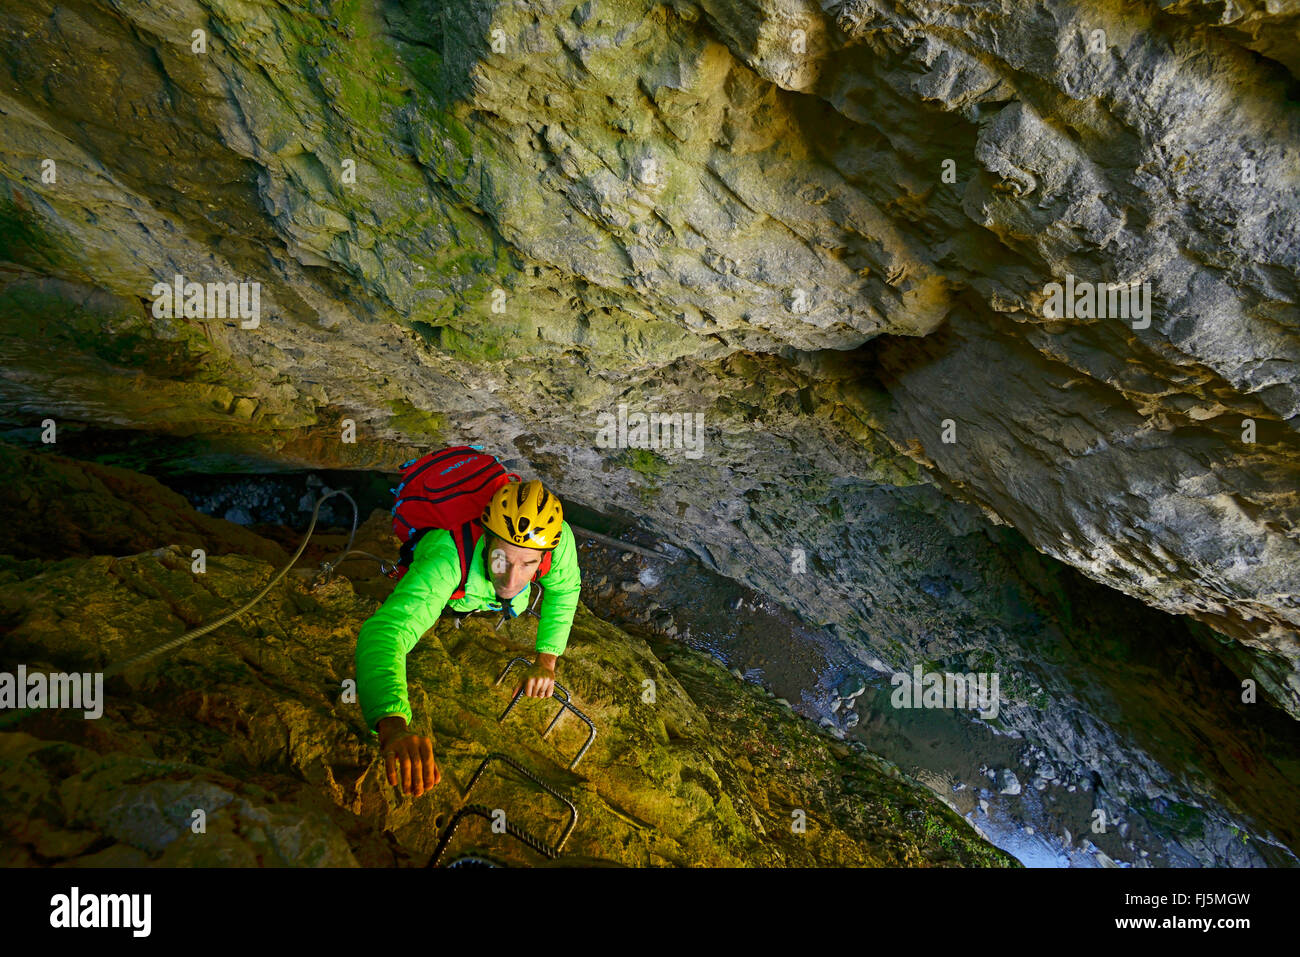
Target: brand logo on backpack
pixel 452 468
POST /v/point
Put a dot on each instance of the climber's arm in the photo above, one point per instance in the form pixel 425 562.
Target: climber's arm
pixel 563 583
pixel 389 634
pixel 559 604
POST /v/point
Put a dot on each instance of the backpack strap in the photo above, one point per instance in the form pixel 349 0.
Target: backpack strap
pixel 466 538
pixel 406 554
pixel 544 566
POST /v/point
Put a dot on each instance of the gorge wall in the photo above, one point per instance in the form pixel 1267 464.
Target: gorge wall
pixel 828 228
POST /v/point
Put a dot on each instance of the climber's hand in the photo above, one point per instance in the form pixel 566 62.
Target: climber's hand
pixel 408 757
pixel 539 680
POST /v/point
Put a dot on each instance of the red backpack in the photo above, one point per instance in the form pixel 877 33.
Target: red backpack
pixel 448 489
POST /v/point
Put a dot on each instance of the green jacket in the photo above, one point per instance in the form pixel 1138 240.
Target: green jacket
pixel 387 636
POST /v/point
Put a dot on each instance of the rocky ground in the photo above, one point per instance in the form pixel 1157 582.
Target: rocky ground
pixel 252 725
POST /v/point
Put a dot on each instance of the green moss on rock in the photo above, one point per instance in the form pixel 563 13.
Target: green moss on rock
pixel 411 421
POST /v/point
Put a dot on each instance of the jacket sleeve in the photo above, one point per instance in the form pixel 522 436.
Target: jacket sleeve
pixel 389 634
pixel 560 600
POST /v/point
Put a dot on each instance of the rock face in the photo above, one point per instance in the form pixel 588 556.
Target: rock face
pixel 52 508
pixel 830 230
pixel 253 727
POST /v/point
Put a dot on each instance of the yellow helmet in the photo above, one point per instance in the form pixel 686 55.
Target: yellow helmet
pixel 524 513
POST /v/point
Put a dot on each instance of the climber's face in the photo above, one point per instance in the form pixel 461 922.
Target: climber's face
pixel 511 567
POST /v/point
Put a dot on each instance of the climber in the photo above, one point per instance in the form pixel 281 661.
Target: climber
pixel 520 524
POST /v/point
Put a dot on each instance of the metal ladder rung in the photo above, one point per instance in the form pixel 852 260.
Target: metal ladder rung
pixel 506 759
pixel 518 833
pixel 566 704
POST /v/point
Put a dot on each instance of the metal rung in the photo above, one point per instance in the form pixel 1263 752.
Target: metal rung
pixel 506 759
pixel 565 705
pixel 519 834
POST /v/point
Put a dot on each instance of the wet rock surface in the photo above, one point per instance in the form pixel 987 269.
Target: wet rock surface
pixel 1115 725
pixel 1096 699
